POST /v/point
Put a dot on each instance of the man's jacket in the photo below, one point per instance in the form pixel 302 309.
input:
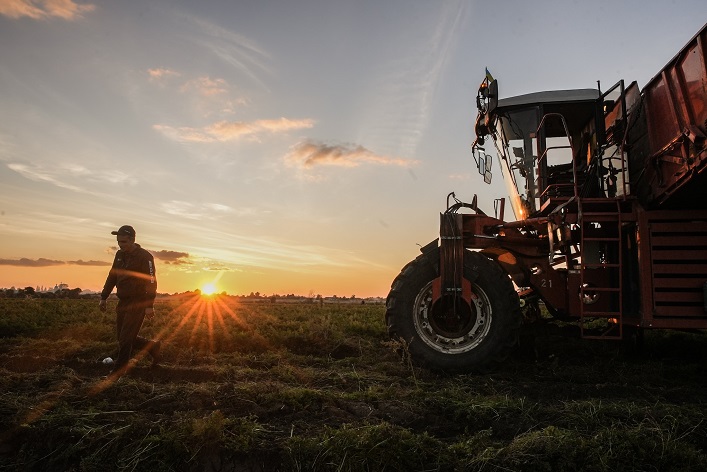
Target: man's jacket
pixel 134 276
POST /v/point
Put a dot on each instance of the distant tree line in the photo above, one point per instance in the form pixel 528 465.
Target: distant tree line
pixel 75 293
pixel 30 292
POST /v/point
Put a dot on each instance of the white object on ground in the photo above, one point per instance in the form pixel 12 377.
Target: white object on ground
pixel 107 360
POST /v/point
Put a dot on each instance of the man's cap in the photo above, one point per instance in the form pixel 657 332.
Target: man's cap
pixel 125 231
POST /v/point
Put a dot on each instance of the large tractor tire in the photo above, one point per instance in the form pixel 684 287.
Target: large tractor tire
pixel 451 335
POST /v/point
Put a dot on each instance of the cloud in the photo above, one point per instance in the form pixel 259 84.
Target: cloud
pixel 24 262
pixel 194 211
pixel 206 86
pixel 183 134
pixel 38 174
pixel 112 176
pixel 410 85
pixel 218 207
pixel 44 9
pixel 205 211
pixel 89 263
pixel 227 130
pixel 309 154
pixel 160 74
pixel 235 50
pixel 172 257
pixel 58 175
pixel 215 91
pixel 230 130
pixel 42 262
pixel 220 269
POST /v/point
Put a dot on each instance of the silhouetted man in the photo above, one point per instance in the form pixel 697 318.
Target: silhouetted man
pixel 133 274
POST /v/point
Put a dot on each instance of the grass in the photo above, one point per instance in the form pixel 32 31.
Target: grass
pixel 303 387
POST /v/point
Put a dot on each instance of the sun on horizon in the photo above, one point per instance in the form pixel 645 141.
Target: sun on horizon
pixel 208 289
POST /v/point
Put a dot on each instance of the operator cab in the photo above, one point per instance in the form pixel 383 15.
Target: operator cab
pixel 545 142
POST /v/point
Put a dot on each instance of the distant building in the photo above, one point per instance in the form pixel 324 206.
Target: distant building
pixel 59 287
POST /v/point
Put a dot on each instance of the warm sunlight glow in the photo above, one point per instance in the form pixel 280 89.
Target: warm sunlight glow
pixel 208 289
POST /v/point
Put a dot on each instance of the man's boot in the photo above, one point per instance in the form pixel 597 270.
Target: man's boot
pixel 156 353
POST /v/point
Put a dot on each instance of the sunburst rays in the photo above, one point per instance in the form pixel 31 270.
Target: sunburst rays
pixel 208 320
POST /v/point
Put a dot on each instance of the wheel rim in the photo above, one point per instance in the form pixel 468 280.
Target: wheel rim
pixel 451 325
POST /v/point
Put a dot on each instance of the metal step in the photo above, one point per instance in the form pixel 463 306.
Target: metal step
pixel 608 213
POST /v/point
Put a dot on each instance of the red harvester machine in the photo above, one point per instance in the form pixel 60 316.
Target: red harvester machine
pixel 609 192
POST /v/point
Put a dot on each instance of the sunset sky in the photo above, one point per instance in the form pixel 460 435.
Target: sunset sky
pixel 302 146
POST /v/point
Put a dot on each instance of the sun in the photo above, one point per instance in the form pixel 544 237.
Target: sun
pixel 208 289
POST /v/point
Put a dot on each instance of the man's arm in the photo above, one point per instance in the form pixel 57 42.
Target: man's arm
pixel 108 287
pixel 150 283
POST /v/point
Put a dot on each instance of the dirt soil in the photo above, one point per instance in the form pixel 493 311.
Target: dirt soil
pixel 322 389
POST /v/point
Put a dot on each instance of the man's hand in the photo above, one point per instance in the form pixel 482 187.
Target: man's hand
pixel 149 313
pixel 102 305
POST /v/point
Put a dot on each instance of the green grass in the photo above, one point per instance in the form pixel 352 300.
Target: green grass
pixel 303 387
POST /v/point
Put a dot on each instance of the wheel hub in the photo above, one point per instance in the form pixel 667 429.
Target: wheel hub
pixel 451 316
pixel 451 325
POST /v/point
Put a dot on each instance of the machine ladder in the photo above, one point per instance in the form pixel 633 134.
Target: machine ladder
pixel 601 268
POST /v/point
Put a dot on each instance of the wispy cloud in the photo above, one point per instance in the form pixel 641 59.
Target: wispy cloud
pixel 42 262
pixel 203 211
pixel 206 86
pixel 220 268
pixel 112 176
pixel 214 93
pixel 408 89
pixel 308 154
pixel 219 208
pixel 61 175
pixel 161 74
pixel 38 174
pixel 234 49
pixel 44 9
pixel 230 130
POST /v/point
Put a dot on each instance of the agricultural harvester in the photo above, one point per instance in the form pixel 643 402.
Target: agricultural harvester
pixel 609 193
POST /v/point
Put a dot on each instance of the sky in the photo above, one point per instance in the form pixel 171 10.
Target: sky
pixel 303 146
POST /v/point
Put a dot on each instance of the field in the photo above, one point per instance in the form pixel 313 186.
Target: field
pixel 320 388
